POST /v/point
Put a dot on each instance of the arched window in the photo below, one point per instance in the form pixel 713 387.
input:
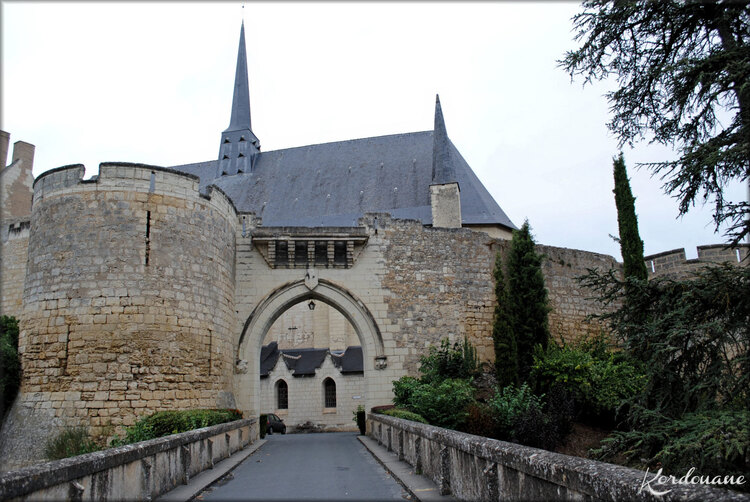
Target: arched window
pixel 282 395
pixel 329 393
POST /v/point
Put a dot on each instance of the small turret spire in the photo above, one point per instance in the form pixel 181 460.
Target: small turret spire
pixel 239 145
pixel 443 170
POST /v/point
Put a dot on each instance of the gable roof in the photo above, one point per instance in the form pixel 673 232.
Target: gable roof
pixel 335 184
pixel 304 362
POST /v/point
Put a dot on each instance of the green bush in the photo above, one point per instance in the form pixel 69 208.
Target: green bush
pixel 69 443
pixel 508 405
pixel 164 423
pixel 10 363
pixel 598 380
pixel 441 403
pixel 403 390
pixel 405 414
pixel 446 361
pixel 715 442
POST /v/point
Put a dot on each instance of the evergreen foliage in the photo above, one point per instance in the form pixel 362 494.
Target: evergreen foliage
pixel 693 337
pixel 10 363
pixel 527 298
pixel 504 339
pixel 631 244
pixel 680 66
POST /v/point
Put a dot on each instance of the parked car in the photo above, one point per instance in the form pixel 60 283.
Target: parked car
pixel 275 424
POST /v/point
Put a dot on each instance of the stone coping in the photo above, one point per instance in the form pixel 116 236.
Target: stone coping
pixel 37 477
pixel 598 479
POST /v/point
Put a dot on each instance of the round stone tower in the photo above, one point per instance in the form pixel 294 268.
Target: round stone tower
pixel 128 300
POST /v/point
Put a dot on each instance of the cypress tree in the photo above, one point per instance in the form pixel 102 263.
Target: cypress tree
pixel 506 350
pixel 528 298
pixel 631 244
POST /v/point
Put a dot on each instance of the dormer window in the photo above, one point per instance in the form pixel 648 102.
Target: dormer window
pixel 226 140
pixel 242 138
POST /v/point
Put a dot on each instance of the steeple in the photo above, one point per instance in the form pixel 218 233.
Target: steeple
pixel 443 170
pixel 239 145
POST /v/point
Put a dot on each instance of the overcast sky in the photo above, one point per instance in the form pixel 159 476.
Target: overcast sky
pixel 152 83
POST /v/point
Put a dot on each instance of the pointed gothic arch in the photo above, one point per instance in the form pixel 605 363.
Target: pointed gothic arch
pixel 279 301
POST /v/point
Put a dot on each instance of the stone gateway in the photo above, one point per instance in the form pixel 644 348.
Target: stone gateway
pixel 300 282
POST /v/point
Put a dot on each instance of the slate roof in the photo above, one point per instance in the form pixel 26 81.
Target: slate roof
pixel 304 362
pixel 350 361
pixel 334 184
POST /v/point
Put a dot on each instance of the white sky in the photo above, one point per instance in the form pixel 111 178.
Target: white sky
pixel 152 83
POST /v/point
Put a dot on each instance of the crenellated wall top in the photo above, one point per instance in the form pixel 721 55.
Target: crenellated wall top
pixel 119 176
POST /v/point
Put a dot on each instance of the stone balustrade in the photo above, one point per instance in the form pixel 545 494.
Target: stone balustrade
pixel 481 469
pixel 139 471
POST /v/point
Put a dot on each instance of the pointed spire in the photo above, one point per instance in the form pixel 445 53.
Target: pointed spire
pixel 241 99
pixel 239 145
pixel 443 170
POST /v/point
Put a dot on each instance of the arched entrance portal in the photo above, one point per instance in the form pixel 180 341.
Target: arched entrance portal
pixel 247 378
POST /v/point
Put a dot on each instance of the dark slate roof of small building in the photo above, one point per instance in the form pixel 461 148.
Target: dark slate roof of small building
pixel 304 362
pixel 350 361
pixel 334 184
pixel 269 355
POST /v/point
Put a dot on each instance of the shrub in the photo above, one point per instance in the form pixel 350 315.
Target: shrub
pixel 164 423
pixel 479 420
pixel 405 414
pixel 403 390
pixel 508 405
pixel 715 442
pixel 598 380
pixel 10 363
pixel 69 443
pixel 519 415
pixel 441 403
pixel 457 361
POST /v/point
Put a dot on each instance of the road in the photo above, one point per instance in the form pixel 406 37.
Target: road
pixel 325 466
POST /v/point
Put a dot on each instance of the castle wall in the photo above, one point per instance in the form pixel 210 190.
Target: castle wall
pixel 128 298
pixel 16 181
pixel 14 242
pixel 569 301
pixel 420 285
pixel 673 264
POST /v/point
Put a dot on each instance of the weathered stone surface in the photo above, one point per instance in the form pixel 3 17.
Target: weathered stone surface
pixel 483 469
pixel 139 471
pixel 128 298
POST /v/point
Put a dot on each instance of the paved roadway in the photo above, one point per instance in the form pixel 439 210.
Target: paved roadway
pixel 326 466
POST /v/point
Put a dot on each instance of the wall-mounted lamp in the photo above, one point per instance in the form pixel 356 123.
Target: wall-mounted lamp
pixel 311 305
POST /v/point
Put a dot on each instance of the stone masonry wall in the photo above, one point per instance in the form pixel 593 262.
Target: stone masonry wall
pixel 14 243
pixel 673 263
pixel 128 302
pixel 16 181
pixel 570 302
pixel 441 285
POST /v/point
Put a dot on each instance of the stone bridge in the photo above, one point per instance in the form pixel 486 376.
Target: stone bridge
pixel 429 462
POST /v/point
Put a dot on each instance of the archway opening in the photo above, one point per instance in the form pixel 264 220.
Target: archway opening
pixel 312 346
pixel 352 355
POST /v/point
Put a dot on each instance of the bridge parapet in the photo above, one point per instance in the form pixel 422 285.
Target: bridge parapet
pixel 482 469
pixel 139 471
